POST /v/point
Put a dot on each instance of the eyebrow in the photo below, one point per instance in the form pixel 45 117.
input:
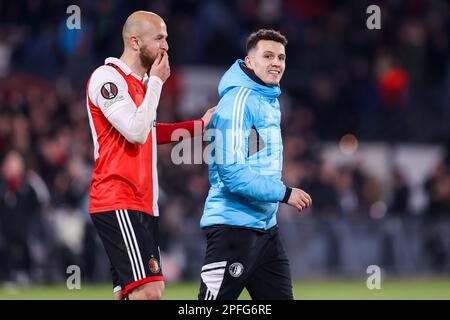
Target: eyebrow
pixel 271 52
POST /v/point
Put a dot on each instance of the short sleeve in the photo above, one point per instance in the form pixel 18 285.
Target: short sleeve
pixel 108 90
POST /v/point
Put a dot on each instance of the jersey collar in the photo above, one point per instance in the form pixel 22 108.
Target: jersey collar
pixel 124 67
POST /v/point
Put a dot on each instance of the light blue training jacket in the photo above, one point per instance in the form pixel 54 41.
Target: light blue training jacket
pixel 246 185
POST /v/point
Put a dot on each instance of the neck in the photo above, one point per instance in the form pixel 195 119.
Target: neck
pixel 132 60
pixel 252 75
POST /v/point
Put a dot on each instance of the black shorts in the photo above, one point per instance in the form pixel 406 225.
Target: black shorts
pixel 131 241
pixel 238 258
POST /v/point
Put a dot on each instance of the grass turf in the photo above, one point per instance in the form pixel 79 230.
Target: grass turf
pixel 438 288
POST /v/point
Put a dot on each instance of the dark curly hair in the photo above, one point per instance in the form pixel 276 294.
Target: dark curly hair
pixel 264 34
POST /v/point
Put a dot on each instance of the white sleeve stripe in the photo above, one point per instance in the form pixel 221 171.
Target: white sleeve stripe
pixel 233 117
pixel 238 133
pixel 241 145
pixel 235 121
pixel 241 125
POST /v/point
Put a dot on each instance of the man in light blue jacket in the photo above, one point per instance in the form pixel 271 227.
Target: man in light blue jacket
pixel 243 245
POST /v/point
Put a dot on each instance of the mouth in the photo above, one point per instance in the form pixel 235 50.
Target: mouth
pixel 274 72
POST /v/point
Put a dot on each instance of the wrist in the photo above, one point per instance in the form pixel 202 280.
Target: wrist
pixel 287 194
pixel 156 79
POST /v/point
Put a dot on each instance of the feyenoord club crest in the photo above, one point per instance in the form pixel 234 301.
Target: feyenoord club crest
pixel 236 269
pixel 109 90
pixel 154 265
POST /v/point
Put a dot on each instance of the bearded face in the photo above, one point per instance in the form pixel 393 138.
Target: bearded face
pixel 146 56
pixel 151 43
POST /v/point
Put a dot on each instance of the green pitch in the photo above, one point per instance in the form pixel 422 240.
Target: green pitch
pixel 323 289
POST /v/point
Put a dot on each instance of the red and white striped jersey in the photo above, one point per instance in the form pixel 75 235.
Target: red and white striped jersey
pixel 125 174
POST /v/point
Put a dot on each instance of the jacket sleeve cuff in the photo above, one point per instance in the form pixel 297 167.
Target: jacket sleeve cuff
pixel 287 194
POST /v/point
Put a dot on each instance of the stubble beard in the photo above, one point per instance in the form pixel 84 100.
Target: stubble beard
pixel 145 58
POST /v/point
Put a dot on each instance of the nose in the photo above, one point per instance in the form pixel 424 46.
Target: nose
pixel 276 64
pixel 165 46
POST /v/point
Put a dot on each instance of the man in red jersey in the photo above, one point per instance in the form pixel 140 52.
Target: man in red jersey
pixel 122 98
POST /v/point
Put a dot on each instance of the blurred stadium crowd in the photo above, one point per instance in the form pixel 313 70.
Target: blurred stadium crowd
pixel 390 85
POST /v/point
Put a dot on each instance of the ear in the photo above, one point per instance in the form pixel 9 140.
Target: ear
pixel 134 43
pixel 249 62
